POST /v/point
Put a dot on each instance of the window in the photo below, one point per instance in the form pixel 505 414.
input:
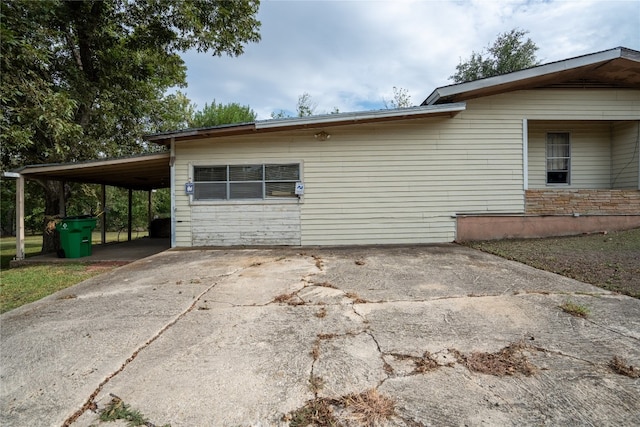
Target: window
pixel 558 158
pixel 237 182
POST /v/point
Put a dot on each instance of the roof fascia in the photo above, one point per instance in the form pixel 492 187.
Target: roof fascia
pixel 529 73
pixel 310 121
pixel 58 167
pixel 344 118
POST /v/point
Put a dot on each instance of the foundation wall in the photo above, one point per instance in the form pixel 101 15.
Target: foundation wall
pixel 485 227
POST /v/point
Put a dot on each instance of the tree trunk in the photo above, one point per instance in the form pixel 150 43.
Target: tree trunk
pixel 53 210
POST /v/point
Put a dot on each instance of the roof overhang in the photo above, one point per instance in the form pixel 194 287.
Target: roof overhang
pixel 619 67
pixel 145 172
pixel 310 122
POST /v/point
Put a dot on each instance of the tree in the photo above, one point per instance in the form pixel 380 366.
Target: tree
pixel 84 79
pixel 510 52
pixel 401 99
pixel 219 114
pixel 306 106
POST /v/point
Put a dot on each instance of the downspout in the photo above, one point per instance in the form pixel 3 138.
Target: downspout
pixel 172 168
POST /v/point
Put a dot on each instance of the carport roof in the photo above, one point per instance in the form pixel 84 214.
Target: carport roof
pixel 145 172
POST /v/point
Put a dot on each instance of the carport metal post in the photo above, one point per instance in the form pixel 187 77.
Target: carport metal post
pixel 130 215
pixel 103 219
pixel 19 212
pixel 20 217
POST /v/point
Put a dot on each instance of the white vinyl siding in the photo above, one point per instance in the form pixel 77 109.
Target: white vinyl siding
pixel 590 153
pixel 625 155
pixel 246 224
pixel 403 181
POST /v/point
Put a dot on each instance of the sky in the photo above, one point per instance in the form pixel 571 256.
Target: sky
pixel 349 54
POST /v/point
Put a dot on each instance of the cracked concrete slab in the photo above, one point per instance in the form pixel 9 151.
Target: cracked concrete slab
pixel 252 337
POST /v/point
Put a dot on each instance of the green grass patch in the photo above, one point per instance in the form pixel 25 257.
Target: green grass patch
pixel 22 285
pixel 32 246
pixel 575 309
pixel 118 410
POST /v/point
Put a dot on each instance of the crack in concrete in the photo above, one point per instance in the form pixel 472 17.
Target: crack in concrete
pixel 613 330
pixel 90 403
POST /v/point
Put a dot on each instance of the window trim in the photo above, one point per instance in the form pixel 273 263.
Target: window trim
pixel 264 200
pixel 547 158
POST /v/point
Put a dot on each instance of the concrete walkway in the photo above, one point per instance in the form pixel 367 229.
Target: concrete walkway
pixel 444 334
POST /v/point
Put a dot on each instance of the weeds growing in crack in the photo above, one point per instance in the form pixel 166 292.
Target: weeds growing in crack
pixel 316 383
pixel 118 410
pixel 620 366
pixel 426 363
pixel 315 350
pixel 319 263
pixel 508 361
pixel 326 285
pixel 369 408
pixel 575 309
pixel 356 298
pixel 290 299
pixel 316 412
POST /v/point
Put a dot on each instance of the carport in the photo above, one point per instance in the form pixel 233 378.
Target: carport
pixel 142 173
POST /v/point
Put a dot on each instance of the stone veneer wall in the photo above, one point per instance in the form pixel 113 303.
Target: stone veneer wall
pixel 583 202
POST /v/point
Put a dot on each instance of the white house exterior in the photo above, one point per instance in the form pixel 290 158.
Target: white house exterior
pixel 557 140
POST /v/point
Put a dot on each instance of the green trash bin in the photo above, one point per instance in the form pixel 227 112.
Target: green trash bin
pixel 75 235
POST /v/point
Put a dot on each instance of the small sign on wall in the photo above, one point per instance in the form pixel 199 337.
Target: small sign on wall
pixel 188 188
pixel 299 188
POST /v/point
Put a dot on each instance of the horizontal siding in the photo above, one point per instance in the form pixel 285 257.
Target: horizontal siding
pixel 567 104
pixel 389 183
pixel 250 224
pixel 401 182
pixel 625 155
pixel 590 153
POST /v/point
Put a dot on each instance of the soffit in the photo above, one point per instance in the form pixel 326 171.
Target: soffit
pixel 138 173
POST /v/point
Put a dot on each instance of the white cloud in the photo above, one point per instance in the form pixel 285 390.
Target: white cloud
pixel 349 54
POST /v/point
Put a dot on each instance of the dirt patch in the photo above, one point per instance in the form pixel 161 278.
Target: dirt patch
pixel 607 260
pixel 620 366
pixel 508 361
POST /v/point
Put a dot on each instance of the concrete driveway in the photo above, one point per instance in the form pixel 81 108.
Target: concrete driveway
pixel 444 335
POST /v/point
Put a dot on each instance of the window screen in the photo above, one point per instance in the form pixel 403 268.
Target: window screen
pixel 235 182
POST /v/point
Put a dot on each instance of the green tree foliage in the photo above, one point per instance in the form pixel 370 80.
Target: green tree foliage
pixel 306 106
pixel 401 99
pixel 86 79
pixel 509 52
pixel 219 114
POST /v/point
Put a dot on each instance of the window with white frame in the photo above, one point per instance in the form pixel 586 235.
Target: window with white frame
pixel 237 182
pixel 558 158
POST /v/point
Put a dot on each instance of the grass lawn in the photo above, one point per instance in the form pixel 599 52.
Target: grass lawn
pixel 22 285
pixel 610 261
